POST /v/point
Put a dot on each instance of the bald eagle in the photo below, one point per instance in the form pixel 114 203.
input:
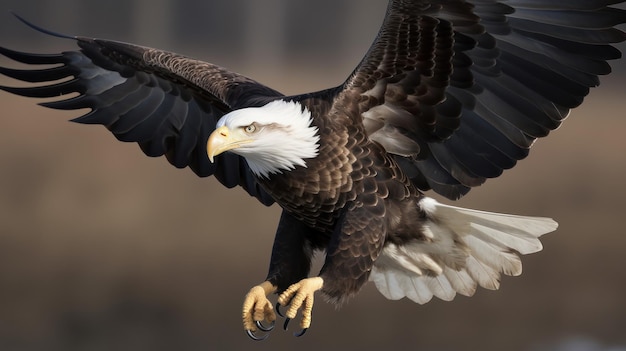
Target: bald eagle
pixel 450 93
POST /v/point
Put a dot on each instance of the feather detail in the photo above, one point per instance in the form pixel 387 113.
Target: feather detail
pixel 467 248
pixel 285 139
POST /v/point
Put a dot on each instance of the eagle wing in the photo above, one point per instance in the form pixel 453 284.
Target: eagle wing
pixel 167 103
pixel 459 91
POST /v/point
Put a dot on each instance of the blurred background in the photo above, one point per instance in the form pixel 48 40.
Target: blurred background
pixel 102 248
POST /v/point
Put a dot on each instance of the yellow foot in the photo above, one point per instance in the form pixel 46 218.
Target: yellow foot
pixel 257 308
pixel 300 295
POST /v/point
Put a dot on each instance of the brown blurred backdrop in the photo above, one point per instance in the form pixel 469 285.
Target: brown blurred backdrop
pixel 102 248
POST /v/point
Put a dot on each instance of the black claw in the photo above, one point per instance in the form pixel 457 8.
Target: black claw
pixel 256 338
pixel 300 333
pixel 287 320
pixel 261 327
pixel 278 310
pixel 286 324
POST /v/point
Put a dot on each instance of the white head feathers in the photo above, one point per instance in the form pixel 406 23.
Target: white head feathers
pixel 280 136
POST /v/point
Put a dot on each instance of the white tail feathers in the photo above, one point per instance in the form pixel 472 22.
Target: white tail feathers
pixel 466 248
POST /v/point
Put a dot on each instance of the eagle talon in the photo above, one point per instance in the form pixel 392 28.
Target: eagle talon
pixel 278 311
pixel 257 309
pixel 286 324
pixel 302 332
pixel 300 296
pixel 252 336
pixel 264 328
pixel 298 334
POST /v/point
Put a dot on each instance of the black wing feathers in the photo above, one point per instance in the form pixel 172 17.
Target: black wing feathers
pixel 459 91
pixel 167 103
pixel 456 91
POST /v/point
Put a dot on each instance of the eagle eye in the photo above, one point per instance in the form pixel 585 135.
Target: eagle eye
pixel 250 128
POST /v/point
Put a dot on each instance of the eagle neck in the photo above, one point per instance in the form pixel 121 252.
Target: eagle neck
pixel 315 193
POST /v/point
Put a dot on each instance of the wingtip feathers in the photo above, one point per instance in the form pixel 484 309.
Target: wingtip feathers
pixel 41 29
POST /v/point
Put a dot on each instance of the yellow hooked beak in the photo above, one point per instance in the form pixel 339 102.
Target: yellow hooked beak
pixel 223 139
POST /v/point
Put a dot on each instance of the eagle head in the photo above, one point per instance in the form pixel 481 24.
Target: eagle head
pixel 273 138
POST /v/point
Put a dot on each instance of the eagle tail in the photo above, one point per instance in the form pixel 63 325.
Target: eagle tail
pixel 465 248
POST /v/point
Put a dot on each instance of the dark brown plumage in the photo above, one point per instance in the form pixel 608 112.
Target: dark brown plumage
pixel 350 194
pixel 451 93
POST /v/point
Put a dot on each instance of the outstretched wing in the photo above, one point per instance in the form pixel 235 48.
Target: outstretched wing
pixel 459 91
pixel 165 102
